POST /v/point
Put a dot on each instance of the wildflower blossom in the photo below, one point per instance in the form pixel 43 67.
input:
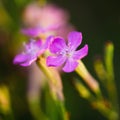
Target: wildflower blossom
pixel 47 15
pixel 66 54
pixel 46 20
pixel 32 50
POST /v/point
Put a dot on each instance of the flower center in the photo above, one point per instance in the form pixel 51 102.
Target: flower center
pixel 32 49
pixel 67 52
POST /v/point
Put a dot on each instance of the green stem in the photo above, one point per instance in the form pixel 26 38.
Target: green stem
pixel 55 84
pixel 36 109
pixel 88 78
pixel 53 76
pixel 111 87
pixel 98 104
pixel 109 113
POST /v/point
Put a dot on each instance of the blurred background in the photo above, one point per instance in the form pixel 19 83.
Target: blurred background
pixel 99 21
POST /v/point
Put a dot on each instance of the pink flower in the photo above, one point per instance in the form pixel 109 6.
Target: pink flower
pixel 44 16
pixel 66 54
pixel 46 20
pixel 32 50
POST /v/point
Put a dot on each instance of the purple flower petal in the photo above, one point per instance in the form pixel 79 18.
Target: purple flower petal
pixel 55 60
pixel 57 45
pixel 38 43
pixel 33 32
pixel 74 39
pixel 28 62
pixel 40 48
pixel 24 59
pixel 79 54
pixel 48 42
pixel 70 65
pixel 20 58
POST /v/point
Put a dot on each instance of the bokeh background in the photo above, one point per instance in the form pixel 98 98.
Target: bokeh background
pixel 99 21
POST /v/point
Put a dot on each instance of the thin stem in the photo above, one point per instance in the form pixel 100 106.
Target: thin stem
pixel 88 78
pixel 96 103
pixel 109 113
pixel 111 87
pixel 52 75
pixel 36 109
pixel 55 85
